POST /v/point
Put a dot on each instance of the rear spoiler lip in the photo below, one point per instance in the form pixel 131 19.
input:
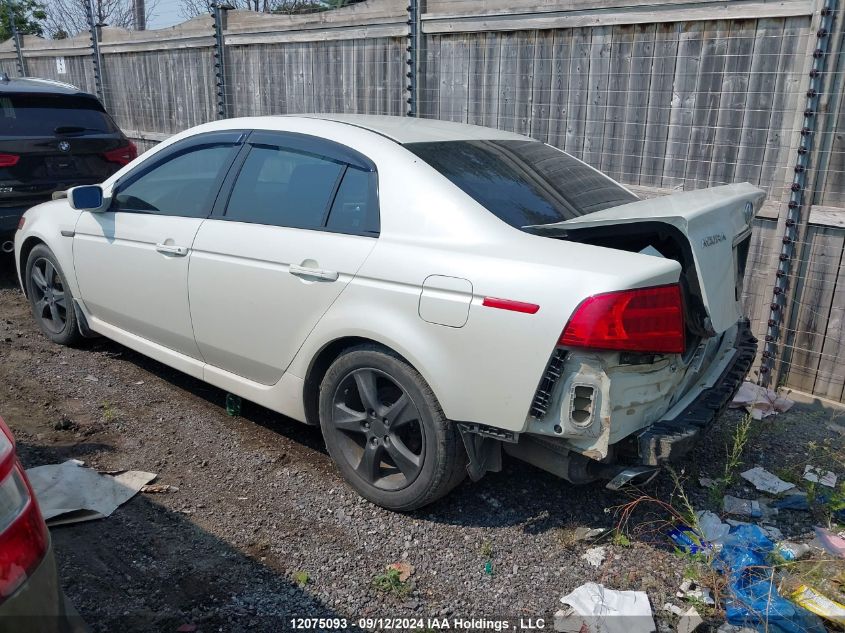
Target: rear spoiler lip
pixel 676 209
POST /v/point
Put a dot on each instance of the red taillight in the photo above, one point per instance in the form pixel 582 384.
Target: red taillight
pixel 122 155
pixel 23 533
pixel 9 160
pixel 641 320
pixel 21 222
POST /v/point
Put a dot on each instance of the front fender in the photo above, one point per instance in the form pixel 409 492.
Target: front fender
pixel 53 224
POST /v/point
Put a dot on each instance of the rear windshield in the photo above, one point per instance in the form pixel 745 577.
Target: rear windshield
pixel 49 115
pixel 523 182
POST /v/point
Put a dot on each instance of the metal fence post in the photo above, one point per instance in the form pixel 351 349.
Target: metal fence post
pixel 412 59
pixel 97 59
pixel 220 70
pixel 16 40
pixel 777 325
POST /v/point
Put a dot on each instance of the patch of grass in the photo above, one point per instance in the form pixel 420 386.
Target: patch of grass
pixel 487 549
pixel 620 539
pixel 739 440
pixel 301 578
pixel 109 412
pixel 389 582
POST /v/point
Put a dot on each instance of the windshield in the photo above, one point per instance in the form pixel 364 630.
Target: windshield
pixel 523 182
pixel 51 115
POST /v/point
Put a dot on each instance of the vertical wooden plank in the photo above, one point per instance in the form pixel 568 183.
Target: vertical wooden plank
pixel 815 288
pixel 752 139
pixel 732 105
pixel 350 89
pixel 687 70
pixel 541 106
pixel 600 50
pixel 619 74
pixel 830 380
pixel 707 104
pixel 762 259
pixel 429 101
pixel 579 88
pixel 447 78
pixel 660 98
pixel 636 111
pixel 558 96
pixel 515 81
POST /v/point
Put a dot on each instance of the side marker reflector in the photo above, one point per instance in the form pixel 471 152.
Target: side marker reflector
pixel 508 304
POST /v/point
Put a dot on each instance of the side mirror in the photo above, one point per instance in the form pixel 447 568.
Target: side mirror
pixel 86 198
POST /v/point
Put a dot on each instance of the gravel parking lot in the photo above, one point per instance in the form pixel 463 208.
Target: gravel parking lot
pixel 263 529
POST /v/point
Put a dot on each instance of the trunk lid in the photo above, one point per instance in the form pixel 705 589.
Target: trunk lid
pixel 713 226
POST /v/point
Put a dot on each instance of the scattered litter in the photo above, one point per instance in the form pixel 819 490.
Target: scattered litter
pixel 671 608
pixel 730 628
pixel 793 501
pixel 91 378
pixel 711 526
pixel 742 507
pixel 593 608
pixel 70 493
pixel 488 568
pixel 687 539
pixel 759 401
pixel 752 599
pixel 158 488
pixel 691 591
pixel 792 551
pixel 821 605
pixel 138 382
pixel 819 476
pixel 586 534
pixel 405 570
pixel 765 481
pixel 594 556
pixel 689 621
pixel 771 531
pixel 830 542
pixel 706 482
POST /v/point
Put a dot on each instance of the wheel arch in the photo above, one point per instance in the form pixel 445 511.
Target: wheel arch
pixel 26 248
pixel 320 364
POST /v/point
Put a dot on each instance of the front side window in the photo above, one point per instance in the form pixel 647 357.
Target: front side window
pixel 184 185
pixel 523 183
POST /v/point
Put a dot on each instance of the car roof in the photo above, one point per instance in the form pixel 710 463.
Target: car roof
pixel 34 85
pixel 414 130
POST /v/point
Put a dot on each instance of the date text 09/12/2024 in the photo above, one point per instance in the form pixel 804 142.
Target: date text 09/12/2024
pixel 408 624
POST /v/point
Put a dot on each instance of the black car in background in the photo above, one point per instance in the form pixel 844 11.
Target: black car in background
pixel 52 136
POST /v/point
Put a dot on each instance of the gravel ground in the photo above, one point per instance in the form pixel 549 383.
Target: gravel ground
pixel 259 502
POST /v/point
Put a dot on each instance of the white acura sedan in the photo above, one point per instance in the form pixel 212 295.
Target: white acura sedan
pixel 429 293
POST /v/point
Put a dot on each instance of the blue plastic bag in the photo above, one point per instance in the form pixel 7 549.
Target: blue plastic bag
pixel 753 599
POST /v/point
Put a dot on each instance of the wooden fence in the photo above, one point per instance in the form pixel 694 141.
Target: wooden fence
pixel 663 95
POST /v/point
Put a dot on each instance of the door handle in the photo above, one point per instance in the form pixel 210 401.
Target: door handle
pixel 170 249
pixel 313 273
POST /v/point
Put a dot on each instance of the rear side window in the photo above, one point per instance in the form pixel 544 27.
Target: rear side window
pixel 280 186
pixel 48 115
pixel 523 182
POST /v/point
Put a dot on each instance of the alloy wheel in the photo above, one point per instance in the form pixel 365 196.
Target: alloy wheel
pixel 49 299
pixel 379 428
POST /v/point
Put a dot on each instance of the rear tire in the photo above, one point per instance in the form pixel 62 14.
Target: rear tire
pixel 50 297
pixel 386 431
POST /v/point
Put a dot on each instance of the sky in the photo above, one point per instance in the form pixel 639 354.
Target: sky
pixel 166 14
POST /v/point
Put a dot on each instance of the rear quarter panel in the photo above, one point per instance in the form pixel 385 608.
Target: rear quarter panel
pixel 488 370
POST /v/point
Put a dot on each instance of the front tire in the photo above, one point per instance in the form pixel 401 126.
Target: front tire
pixel 386 432
pixel 50 297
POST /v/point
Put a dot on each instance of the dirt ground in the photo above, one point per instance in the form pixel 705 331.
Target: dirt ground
pixel 262 528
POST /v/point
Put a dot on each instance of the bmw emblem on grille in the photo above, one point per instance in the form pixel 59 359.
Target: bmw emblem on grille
pixel 64 146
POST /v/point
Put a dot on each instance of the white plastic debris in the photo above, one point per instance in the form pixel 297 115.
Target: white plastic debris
pixel 597 609
pixel 792 551
pixel 759 401
pixel 765 481
pixel 71 493
pixel 689 621
pixel 587 534
pixel 711 526
pixel 594 556
pixel 689 590
pixel 742 507
pixel 819 476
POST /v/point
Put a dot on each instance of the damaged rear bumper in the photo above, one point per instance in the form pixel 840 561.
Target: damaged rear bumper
pixel 673 436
